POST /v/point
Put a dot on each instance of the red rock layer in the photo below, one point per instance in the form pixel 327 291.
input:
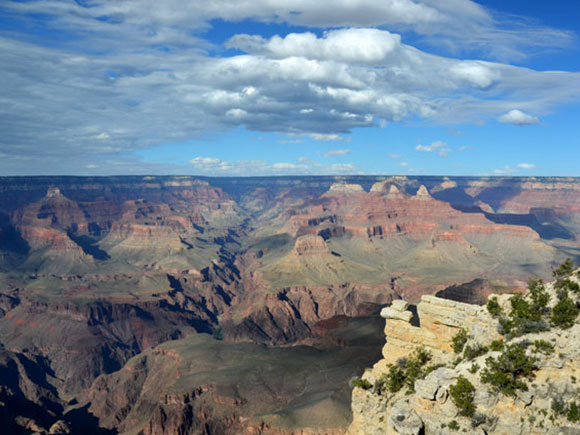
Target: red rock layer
pixel 391 213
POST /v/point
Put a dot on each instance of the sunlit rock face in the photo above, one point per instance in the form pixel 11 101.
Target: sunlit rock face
pixel 429 408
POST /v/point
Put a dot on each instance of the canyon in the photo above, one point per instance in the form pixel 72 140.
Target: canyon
pixel 165 304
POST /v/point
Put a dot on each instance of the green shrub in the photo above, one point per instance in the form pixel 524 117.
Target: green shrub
pixel 573 286
pixel 459 340
pixel 453 425
pixel 361 383
pixel 563 271
pixel 573 413
pixel 474 368
pixel 526 317
pixel 565 285
pixel 421 355
pixel 415 364
pixel 504 326
pixel 457 361
pixel 463 393
pixel 494 308
pixel 471 352
pixel 506 372
pixel 478 419
pixel 539 296
pixel 564 313
pixel 559 406
pixel 402 362
pixel 543 346
pixel 405 372
pixel 431 368
pixel 496 345
pixel 393 380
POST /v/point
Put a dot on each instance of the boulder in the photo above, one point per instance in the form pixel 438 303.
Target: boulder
pixel 404 420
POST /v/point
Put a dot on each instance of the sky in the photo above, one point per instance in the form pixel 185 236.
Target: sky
pixel 290 87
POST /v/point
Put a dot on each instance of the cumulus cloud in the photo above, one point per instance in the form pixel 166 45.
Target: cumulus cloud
pixel 371 46
pixel 517 117
pixel 337 153
pixel 478 73
pixel 430 148
pixel 211 164
pixel 526 166
pixel 395 156
pixel 140 74
pixel 440 147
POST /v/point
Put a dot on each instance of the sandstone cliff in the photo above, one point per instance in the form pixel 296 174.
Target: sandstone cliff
pixel 535 393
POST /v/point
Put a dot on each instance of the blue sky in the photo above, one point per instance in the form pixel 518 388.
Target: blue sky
pixel 255 87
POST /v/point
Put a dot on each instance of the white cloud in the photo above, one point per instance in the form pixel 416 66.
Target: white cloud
pixel 464 147
pixel 289 141
pixel 517 117
pixel 325 137
pixel 444 152
pixel 506 170
pixel 212 166
pixel 430 148
pixel 154 82
pixel 345 45
pixel 337 153
pixel 288 166
pixel 395 156
pixel 200 161
pixel 477 73
pixel 454 132
pixel 526 166
pixel 403 164
pixel 453 24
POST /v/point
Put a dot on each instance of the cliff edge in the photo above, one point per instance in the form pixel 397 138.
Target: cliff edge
pixel 510 367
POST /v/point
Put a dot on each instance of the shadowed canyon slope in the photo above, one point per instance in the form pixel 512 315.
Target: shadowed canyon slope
pixel 112 287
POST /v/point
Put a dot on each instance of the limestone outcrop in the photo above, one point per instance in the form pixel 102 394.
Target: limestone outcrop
pixel 310 245
pixel 343 187
pixel 543 397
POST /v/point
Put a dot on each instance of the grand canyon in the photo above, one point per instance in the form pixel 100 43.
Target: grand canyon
pixel 178 304
pixel 289 217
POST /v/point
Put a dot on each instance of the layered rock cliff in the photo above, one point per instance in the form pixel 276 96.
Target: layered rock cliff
pixel 510 367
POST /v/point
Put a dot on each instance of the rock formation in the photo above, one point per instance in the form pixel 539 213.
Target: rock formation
pixel 343 187
pixel 97 271
pixel 310 245
pixel 543 400
pixel 422 193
